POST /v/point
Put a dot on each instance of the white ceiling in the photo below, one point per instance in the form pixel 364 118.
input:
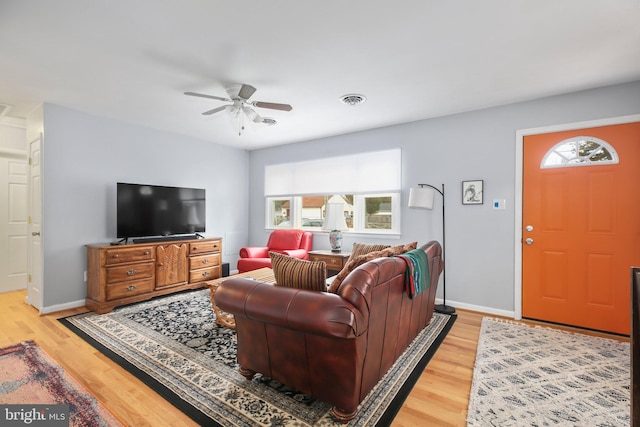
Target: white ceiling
pixel 132 60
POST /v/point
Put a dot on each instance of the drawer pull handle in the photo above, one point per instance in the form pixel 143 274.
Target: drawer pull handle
pixel 195 248
pixel 131 288
pixel 146 253
pixel 131 272
pixel 204 261
pixel 205 274
pixel 116 255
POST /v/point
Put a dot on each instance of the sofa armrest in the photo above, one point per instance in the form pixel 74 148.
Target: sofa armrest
pixel 254 252
pixel 296 253
pixel 313 312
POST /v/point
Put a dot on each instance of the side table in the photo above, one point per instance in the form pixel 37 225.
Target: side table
pixel 222 317
pixel 334 260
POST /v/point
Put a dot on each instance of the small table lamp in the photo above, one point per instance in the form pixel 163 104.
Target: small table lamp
pixel 335 223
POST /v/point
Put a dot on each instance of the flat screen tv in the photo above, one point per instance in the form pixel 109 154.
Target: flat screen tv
pixel 153 210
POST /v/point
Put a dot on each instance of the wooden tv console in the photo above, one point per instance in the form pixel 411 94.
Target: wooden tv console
pixel 123 274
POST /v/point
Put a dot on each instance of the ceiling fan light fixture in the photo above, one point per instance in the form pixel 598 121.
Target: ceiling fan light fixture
pixel 269 121
pixel 353 99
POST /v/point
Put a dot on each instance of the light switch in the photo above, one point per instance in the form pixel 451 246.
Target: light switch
pixel 499 204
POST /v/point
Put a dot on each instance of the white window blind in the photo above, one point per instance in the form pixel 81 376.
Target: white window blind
pixel 376 171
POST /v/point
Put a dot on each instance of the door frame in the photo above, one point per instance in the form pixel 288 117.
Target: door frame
pixel 518 223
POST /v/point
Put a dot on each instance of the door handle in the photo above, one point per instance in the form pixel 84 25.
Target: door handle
pixel 35 233
pixel 529 228
pixel 528 241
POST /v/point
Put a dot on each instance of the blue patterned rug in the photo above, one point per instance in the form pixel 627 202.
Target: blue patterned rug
pixel 538 376
pixel 174 345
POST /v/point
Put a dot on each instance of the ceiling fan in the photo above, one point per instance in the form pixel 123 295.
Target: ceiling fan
pixel 240 106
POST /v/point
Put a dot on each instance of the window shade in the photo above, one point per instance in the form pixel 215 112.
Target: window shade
pixel 372 172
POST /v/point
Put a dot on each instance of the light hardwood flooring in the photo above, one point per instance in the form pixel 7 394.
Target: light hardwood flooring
pixel 439 398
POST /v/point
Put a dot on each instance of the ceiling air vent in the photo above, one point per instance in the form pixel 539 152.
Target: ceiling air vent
pixel 353 99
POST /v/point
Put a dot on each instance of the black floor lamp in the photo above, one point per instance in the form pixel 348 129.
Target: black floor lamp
pixel 422 197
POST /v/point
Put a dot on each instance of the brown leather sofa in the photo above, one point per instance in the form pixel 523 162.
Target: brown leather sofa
pixel 335 347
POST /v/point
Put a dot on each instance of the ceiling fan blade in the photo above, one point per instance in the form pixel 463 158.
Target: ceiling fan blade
pixel 273 106
pixel 215 110
pixel 201 95
pixel 246 91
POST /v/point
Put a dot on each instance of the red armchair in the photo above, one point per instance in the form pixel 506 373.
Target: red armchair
pixel 295 243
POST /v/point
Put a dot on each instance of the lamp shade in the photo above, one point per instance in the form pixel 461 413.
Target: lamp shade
pixel 334 220
pixel 192 215
pixel 421 197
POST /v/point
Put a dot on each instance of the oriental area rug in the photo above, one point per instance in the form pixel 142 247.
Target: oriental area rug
pixel 174 345
pixel 539 376
pixel 34 390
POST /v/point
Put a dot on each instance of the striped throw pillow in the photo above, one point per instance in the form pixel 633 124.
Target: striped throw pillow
pixel 298 273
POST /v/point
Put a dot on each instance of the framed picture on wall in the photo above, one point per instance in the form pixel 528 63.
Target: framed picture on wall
pixel 472 192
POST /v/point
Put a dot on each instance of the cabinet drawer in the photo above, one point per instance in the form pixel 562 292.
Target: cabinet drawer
pixel 333 263
pixel 122 255
pixel 204 247
pixel 128 289
pixel 131 272
pixel 204 274
pixel 204 261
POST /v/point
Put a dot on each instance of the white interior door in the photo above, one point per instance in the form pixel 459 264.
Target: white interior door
pixel 34 287
pixel 13 222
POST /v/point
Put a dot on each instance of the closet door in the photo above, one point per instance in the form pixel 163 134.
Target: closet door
pixel 13 221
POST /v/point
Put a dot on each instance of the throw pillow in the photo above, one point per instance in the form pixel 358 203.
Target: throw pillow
pixel 298 273
pixel 352 264
pixel 362 249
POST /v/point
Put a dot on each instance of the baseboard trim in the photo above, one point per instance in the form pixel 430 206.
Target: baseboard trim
pixel 456 304
pixel 479 308
pixel 59 307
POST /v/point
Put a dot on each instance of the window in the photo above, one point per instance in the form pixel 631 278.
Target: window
pixel 279 213
pixel 367 184
pixel 371 213
pixel 580 151
pixel 378 212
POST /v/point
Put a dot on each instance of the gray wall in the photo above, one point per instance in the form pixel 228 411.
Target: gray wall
pixel 84 157
pixel 469 146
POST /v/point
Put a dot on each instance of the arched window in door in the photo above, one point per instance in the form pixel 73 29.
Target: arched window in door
pixel 580 151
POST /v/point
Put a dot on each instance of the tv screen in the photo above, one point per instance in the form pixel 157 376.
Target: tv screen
pixel 152 210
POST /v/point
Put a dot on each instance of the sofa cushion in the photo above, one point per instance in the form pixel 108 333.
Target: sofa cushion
pixel 352 264
pixel 297 273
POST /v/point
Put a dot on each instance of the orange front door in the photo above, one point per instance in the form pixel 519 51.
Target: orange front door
pixel 581 232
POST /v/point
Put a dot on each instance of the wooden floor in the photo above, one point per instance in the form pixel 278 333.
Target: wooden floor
pixel 439 398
